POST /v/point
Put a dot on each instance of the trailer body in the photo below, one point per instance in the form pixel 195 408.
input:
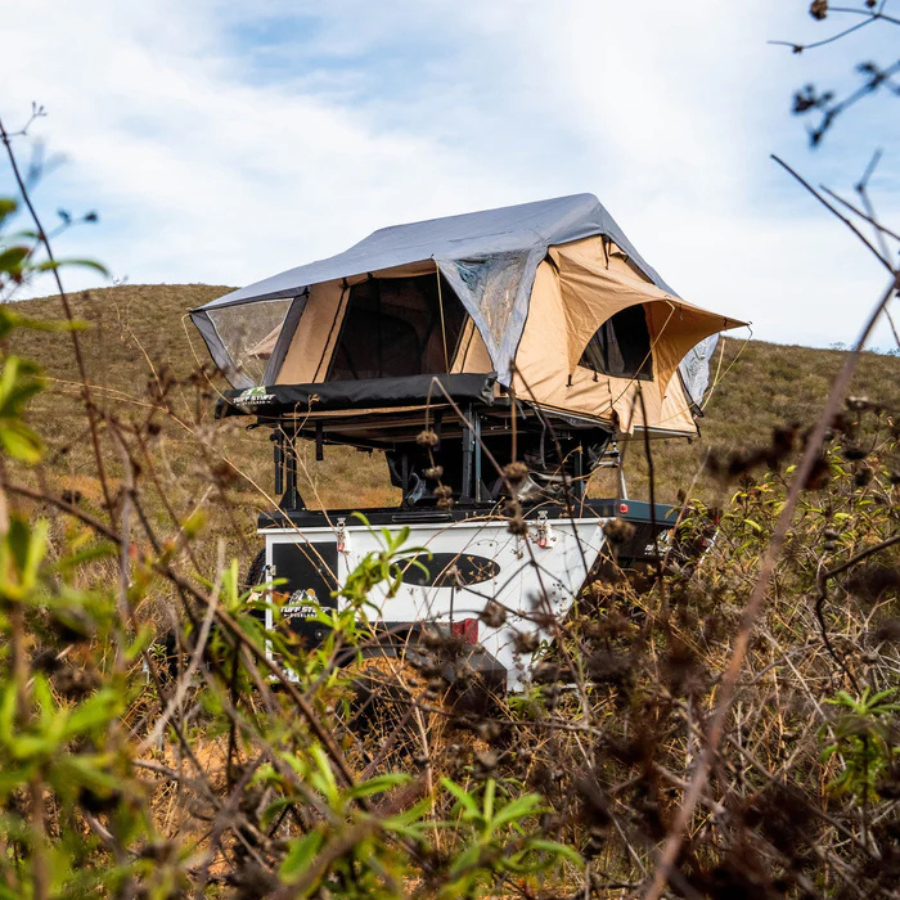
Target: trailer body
pixel 462 563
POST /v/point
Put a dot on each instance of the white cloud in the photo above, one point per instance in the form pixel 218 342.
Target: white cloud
pixel 213 156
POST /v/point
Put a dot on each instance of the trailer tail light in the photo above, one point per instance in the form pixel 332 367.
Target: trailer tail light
pixel 623 507
pixel 467 629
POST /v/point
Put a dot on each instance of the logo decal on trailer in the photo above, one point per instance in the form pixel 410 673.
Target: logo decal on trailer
pixel 301 605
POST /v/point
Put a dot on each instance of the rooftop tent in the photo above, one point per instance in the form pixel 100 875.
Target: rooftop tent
pixel 550 296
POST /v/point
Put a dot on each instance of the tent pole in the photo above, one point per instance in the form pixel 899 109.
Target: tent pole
pixel 477 449
pixel 278 438
pixel 292 473
pixel 465 495
pixel 580 486
pixel 443 326
pixel 380 329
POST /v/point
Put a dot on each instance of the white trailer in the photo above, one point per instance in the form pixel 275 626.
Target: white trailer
pixel 463 563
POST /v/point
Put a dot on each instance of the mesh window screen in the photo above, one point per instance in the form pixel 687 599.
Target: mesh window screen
pixel 392 328
pixel 621 346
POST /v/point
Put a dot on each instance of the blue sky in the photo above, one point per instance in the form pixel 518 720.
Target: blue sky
pixel 224 141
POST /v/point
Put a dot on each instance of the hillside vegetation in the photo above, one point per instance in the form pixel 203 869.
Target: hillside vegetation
pixel 139 334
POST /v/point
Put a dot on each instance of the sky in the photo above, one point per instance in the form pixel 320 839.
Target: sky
pixel 222 141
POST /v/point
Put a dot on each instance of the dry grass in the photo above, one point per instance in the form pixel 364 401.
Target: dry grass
pixel 138 335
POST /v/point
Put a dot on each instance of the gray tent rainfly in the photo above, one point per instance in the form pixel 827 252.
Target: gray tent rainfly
pixel 563 262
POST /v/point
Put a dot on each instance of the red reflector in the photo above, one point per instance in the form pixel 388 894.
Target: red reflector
pixel 467 629
pixel 623 507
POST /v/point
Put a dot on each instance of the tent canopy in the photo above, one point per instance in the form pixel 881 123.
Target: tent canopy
pixel 538 293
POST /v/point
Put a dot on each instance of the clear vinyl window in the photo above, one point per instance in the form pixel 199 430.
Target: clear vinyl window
pixel 249 332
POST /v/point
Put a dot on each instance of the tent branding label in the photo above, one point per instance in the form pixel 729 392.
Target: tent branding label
pixel 253 397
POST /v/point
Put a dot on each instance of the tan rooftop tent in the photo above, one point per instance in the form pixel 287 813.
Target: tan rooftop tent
pixel 550 297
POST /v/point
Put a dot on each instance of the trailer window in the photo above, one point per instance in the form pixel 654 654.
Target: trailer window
pixel 621 346
pixel 392 328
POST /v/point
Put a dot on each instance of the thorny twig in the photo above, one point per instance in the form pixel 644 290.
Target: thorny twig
pixel 808 99
pixel 728 684
pixel 87 396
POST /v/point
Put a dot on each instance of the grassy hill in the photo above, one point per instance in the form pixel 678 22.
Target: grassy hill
pixel 138 340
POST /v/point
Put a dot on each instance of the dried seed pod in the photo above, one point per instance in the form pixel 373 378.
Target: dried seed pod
pixel 432 638
pixel 515 473
pixel 618 531
pixel 434 689
pixel 46 661
pixel 546 673
pixel 493 615
pixel 488 731
pixel 487 761
pixel 224 473
pixel 444 494
pixel 435 473
pixel 517 526
pixel 427 438
pixel 74 682
pixel 525 642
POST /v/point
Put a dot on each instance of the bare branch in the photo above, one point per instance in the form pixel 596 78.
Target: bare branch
pixel 751 612
pixel 886 263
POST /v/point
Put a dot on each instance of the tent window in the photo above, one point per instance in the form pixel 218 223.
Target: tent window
pixel 248 332
pixel 392 328
pixel 621 346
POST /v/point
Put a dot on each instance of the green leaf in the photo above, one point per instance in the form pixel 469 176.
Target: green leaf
pixel 558 850
pixel 20 442
pixel 12 258
pixel 403 822
pixel 13 778
pixel 48 265
pixel 828 752
pixel 378 785
pixel 7 207
pixel 490 789
pixel 302 853
pixel 463 796
pixel 88 771
pixel 98 710
pixel 527 805
pixel 323 776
